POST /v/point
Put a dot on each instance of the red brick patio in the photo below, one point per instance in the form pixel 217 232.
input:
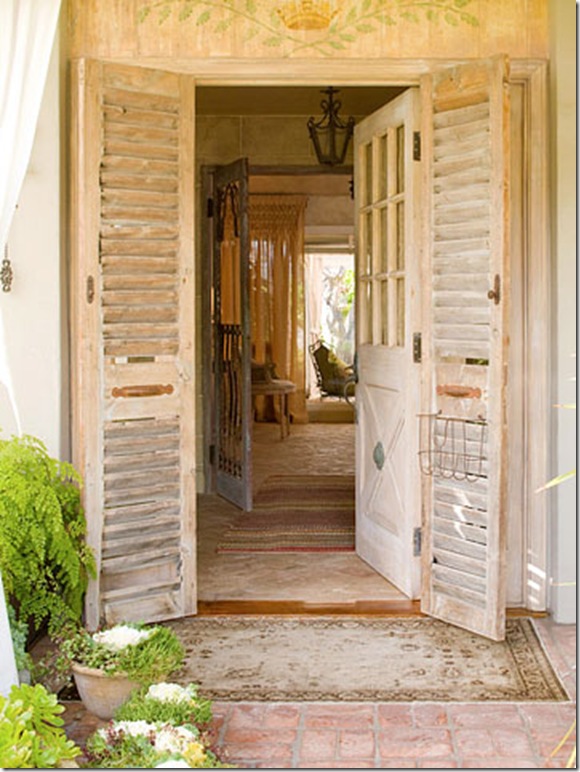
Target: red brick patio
pixel 419 735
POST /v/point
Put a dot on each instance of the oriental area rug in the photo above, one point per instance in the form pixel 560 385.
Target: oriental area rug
pixel 296 513
pixel 279 658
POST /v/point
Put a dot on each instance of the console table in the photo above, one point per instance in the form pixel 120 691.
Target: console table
pixel 281 389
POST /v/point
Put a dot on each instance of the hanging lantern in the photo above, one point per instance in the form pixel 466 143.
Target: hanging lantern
pixel 330 135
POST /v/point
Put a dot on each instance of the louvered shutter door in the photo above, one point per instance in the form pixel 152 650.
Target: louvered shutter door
pixel 133 208
pixel 465 130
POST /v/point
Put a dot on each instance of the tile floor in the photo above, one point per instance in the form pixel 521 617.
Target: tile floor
pixel 357 735
pixel 315 577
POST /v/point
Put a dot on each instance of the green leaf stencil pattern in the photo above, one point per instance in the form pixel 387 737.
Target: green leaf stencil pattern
pixel 353 19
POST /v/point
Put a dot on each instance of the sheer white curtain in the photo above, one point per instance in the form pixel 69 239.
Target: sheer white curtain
pixel 27 30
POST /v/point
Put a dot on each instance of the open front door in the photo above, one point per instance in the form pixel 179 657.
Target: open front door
pixel 387 395
pixel 463 444
pixel 132 298
pixel 232 352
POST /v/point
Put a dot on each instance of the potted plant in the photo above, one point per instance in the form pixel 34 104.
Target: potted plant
pixel 31 733
pixel 109 664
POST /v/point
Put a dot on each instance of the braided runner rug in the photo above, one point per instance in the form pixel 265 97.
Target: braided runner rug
pixel 322 658
pixel 300 513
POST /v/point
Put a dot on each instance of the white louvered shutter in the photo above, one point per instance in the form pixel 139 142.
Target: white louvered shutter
pixel 134 434
pixel 463 440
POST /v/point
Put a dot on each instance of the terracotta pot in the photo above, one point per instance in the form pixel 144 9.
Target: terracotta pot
pixel 102 694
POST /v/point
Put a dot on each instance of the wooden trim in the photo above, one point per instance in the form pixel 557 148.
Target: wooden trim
pixel 290 72
pixel 364 608
pixel 537 331
pixel 87 444
pixel 397 608
pixel 206 325
pixel 187 300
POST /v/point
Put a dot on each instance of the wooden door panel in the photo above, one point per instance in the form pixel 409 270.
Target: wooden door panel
pixel 133 294
pixel 463 446
pixel 388 506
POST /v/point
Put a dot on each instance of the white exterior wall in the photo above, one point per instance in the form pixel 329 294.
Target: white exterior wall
pixel 563 191
pixel 31 312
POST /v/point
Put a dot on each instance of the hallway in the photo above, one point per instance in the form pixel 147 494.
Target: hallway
pixel 313 578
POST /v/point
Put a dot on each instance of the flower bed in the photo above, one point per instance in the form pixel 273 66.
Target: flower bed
pixel 163 725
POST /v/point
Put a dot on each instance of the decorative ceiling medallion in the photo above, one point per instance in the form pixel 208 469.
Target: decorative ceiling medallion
pixel 379 455
pixel 307 14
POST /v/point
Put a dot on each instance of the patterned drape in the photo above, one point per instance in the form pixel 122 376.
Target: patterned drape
pixel 277 290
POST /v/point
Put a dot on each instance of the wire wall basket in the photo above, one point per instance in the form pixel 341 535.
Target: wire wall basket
pixel 453 448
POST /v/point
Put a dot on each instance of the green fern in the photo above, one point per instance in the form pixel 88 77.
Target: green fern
pixel 44 559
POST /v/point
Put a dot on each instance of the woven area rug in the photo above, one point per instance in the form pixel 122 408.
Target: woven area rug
pixel 301 513
pixel 329 658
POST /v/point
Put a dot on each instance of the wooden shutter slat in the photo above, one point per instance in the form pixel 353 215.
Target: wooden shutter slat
pixel 153 117
pixel 120 146
pixel 137 199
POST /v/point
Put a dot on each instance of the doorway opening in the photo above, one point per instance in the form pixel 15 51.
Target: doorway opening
pixel 268 126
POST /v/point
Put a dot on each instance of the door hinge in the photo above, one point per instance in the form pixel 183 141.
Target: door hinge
pixel 416 542
pixel 416 146
pixel 209 209
pixel 417 353
pixel 212 454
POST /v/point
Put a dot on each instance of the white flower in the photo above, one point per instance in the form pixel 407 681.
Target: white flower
pixel 173 764
pixel 165 692
pixel 121 636
pixel 133 728
pixel 173 739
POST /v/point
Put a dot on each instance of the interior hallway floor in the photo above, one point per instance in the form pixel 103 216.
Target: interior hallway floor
pixel 313 578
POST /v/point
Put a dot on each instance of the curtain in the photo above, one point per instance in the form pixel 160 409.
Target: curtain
pixel 277 291
pixel 27 31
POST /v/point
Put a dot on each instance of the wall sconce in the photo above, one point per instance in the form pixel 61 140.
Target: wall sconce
pixel 330 135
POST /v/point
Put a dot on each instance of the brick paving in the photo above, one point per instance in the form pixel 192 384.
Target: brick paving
pixel 420 735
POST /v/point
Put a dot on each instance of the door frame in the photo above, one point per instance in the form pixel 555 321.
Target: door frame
pixel 531 74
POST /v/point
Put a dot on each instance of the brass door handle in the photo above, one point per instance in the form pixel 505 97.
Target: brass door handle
pixel 456 390
pixel 144 390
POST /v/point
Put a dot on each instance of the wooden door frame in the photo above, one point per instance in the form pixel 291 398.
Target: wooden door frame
pixel 536 289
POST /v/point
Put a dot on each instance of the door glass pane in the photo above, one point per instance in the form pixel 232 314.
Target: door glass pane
pixel 401 236
pixel 368 192
pixel 400 312
pixel 385 312
pixel 366 312
pixel 400 159
pixel 382 166
pixel 367 244
pixel 383 220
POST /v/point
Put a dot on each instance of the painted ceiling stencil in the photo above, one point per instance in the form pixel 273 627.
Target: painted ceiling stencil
pixel 290 27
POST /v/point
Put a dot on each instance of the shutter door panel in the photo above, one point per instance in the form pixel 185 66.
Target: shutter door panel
pixel 140 463
pixel 463 435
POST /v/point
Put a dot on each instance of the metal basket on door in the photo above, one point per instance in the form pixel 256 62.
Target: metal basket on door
pixel 453 448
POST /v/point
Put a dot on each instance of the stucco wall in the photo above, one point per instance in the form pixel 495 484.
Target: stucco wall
pixel 563 201
pixel 31 311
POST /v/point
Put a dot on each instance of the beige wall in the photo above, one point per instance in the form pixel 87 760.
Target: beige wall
pixel 563 201
pixel 177 32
